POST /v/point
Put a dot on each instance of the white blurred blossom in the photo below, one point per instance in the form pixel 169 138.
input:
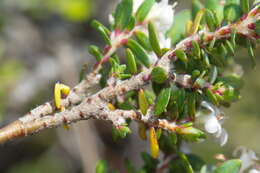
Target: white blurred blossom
pixel 248 159
pixel 212 123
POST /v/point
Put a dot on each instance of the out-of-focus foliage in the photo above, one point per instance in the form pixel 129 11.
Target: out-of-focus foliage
pixel 10 71
pixel 73 10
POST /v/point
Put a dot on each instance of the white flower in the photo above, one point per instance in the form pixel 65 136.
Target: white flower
pixel 248 158
pixel 254 171
pixel 164 41
pixel 212 124
pixel 161 15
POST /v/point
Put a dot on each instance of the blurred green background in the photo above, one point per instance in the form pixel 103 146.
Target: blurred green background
pixel 41 38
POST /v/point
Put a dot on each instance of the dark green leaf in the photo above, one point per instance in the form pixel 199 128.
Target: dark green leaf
pixel 181 55
pixel 251 52
pixel 196 49
pixel 144 9
pixel 154 39
pixel 104 32
pixel 232 10
pixel 257 29
pixel 143 40
pixel 123 14
pixel 245 5
pixel 210 19
pixel 162 101
pixel 94 50
pixel 159 75
pixel 131 64
pixel 139 52
pixel 231 166
pixel 213 74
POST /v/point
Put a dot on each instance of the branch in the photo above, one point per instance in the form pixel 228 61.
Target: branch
pixel 95 106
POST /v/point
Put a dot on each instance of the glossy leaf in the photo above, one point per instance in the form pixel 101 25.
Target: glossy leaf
pixel 94 50
pixel 139 52
pixel 196 49
pixel 123 14
pixel 131 64
pixel 162 101
pixel 231 166
pixel 210 19
pixel 143 40
pixel 144 10
pixel 154 42
pixel 181 55
pixel 103 31
pixel 159 75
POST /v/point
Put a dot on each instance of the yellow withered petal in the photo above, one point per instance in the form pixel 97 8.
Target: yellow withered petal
pixel 57 95
pixel 142 131
pixel 154 143
pixel 197 20
pixel 65 89
pixel 143 103
pixel 188 27
pixel 111 107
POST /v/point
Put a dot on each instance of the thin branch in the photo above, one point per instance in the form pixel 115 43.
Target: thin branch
pixel 95 106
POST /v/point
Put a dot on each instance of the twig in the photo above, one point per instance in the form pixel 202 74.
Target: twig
pixel 95 106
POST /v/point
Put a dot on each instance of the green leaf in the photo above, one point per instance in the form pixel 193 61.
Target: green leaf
pixel 104 32
pixel 139 52
pixel 196 5
pixel 94 50
pixel 180 164
pixel 123 14
pixel 195 161
pixel 177 30
pixel 232 10
pixel 216 7
pixel 251 52
pixel 231 166
pixel 131 64
pixel 191 104
pixel 154 39
pixel 159 75
pixel 212 97
pixel 120 132
pixel 101 166
pixel 230 47
pixel 181 55
pixel 213 74
pixel 191 134
pixel 144 9
pixel 196 49
pixel 257 28
pixel 131 24
pixel 143 40
pixel 162 101
pixel 245 5
pixel 210 19
pixel 129 166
